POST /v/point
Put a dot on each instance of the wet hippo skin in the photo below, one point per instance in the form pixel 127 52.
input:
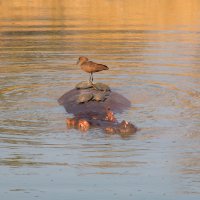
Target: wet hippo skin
pixel 92 113
pixel 115 102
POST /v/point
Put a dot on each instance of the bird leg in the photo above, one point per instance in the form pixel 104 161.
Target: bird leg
pixel 91 78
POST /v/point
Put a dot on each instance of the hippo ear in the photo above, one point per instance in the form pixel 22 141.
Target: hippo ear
pixel 107 109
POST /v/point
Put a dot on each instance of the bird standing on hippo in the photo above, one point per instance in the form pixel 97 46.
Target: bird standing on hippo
pixel 94 104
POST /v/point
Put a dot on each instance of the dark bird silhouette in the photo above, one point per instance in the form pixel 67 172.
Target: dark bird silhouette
pixel 90 67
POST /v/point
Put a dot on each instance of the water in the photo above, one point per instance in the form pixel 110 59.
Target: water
pixel 152 49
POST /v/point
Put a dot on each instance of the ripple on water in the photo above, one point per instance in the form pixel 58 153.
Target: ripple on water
pixel 155 66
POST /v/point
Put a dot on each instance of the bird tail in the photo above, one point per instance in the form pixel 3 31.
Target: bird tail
pixel 105 67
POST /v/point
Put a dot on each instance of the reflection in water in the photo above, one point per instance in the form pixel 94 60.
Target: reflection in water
pixel 152 50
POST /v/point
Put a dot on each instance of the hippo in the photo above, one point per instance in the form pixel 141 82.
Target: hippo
pixel 94 106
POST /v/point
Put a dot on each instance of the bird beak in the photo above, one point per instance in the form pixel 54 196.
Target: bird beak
pixel 77 62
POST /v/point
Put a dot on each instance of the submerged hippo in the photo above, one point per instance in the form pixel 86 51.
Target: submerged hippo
pixel 94 105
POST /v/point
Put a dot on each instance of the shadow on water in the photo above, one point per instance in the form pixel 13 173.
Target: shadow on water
pixel 152 50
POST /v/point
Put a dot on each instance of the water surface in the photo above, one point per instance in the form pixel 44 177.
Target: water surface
pixel 152 49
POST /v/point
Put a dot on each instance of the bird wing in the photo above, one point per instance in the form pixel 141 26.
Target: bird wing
pixel 97 67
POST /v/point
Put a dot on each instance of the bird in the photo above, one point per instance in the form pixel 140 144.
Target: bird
pixel 90 67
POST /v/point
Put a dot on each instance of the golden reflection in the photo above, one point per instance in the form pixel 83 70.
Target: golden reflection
pixel 162 13
pixel 109 164
pixel 20 160
pixel 22 88
pixel 44 34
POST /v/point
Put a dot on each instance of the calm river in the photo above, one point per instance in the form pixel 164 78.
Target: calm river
pixel 153 51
